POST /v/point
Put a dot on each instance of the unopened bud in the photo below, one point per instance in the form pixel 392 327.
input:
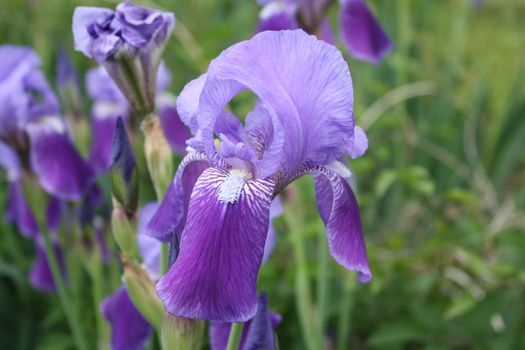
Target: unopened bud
pixel 181 333
pixel 142 292
pixel 124 173
pixel 158 155
pixel 124 228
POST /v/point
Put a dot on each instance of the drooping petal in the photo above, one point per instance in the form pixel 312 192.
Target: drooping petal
pixel 129 330
pixel 221 249
pixel 149 247
pixel 59 167
pixel 306 82
pixel 360 144
pixel 170 217
pixel 40 276
pixel 257 334
pixel 176 132
pixel 339 210
pixel 361 33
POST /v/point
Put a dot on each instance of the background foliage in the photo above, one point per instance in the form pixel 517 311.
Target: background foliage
pixel 441 188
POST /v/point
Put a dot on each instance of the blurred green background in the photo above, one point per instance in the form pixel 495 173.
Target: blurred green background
pixel 441 187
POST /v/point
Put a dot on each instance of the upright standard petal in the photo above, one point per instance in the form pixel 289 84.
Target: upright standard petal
pixel 60 169
pixel 129 330
pixel 306 82
pixel 361 33
pixel 215 274
pixel 339 210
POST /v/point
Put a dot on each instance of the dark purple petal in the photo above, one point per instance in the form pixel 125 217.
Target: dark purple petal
pixel 149 247
pixel 361 33
pixel 257 334
pixel 339 210
pixel 175 131
pixel 20 211
pixel 129 330
pixel 59 167
pixel 305 81
pixel 221 249
pixel 10 162
pixel 170 217
pixel 104 117
pixel 40 276
pixel 101 241
pixel 360 144
pixel 55 210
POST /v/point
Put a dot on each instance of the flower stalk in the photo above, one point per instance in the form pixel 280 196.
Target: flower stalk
pixel 235 336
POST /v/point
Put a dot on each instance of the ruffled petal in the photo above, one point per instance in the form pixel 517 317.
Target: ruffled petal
pixel 59 168
pixel 175 131
pixel 339 210
pixel 83 19
pixel 170 217
pixel 361 33
pixel 129 330
pixel 306 82
pixel 221 249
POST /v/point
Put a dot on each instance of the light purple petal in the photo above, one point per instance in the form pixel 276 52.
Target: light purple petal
pixel 176 132
pixel 163 77
pixel 276 209
pixel 149 247
pixel 170 217
pixel 306 82
pixel 221 249
pixel 360 144
pixel 83 19
pixel 10 162
pixel 101 87
pixel 59 168
pixel 129 330
pixel 188 102
pixel 19 210
pixel 361 33
pixel 339 210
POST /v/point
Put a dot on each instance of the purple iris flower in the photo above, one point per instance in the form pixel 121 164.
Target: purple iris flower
pixel 129 328
pixel 359 30
pixel 129 43
pixel 31 125
pixel 219 201
pixel 258 333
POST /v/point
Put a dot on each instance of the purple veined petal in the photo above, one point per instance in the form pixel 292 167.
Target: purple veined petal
pixel 59 167
pixel 175 131
pixel 40 275
pixel 170 217
pixel 83 19
pixel 361 33
pixel 104 117
pixel 129 330
pixel 276 209
pixel 188 102
pixel 215 274
pixel 149 247
pixel 360 144
pixel 339 210
pixel 101 87
pixel 10 162
pixel 305 81
pixel 258 333
pixel 277 15
pixel 19 210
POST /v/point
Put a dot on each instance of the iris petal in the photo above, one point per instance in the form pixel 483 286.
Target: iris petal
pixel 215 274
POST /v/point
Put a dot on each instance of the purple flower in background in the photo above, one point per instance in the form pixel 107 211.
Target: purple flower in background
pixel 40 275
pixel 129 330
pixel 129 43
pixel 31 125
pixel 68 85
pixel 219 201
pixel 258 333
pixel 359 30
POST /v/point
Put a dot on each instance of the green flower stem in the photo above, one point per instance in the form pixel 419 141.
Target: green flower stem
pixel 343 326
pixel 68 308
pixel 235 336
pixel 164 256
pixel 302 288
pixel 323 278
